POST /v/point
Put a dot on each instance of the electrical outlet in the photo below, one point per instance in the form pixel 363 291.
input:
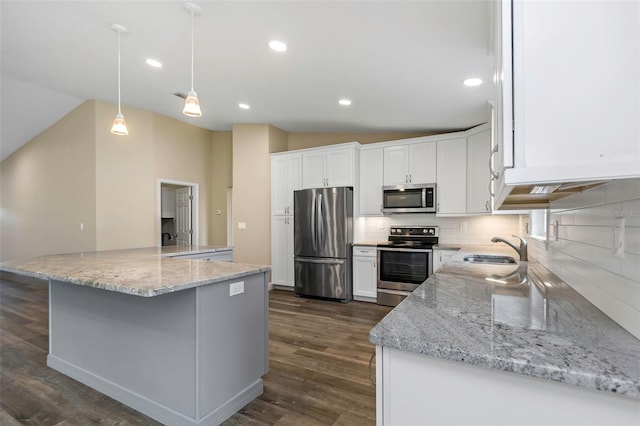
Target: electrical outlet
pixel 82 226
pixel 218 212
pixel 463 226
pixel 236 288
pixel 242 225
pixel 618 237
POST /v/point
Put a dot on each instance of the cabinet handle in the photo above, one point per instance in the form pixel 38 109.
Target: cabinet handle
pixel 486 205
pixel 410 178
pixel 494 174
pixel 493 194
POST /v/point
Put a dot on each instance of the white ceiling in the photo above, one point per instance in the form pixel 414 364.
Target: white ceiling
pixel 402 63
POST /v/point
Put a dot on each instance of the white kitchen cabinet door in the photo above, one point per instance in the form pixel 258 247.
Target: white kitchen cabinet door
pixel 422 162
pixel 332 167
pixel 364 273
pixel 371 182
pixel 339 167
pixel 410 164
pixel 168 202
pixel 576 117
pixel 396 160
pixel 478 174
pixel 313 170
pixel 286 177
pixel 282 250
pixel 452 176
pixel 441 257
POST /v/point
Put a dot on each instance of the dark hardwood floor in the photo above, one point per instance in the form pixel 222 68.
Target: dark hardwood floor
pixel 319 355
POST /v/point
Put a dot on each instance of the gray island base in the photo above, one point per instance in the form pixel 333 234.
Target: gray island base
pixel 180 339
pixel 190 357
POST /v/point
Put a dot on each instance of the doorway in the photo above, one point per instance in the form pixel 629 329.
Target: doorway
pixel 177 213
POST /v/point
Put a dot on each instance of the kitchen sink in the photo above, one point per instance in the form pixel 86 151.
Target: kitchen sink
pixel 487 258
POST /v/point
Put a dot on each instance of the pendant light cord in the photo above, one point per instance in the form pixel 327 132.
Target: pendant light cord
pixel 192 51
pixel 119 111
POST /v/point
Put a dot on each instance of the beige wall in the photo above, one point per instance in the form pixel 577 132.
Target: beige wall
pixel 312 140
pixel 47 189
pixel 182 152
pixel 221 182
pixel 252 190
pixel 125 190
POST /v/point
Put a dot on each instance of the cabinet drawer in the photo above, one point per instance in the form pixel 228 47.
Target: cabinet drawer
pixel 365 251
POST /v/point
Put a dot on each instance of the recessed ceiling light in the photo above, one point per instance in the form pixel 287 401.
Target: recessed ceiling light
pixel 344 102
pixel 154 63
pixel 243 106
pixel 278 46
pixel 472 82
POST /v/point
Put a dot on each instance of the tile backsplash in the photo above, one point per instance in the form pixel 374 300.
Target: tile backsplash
pixel 594 246
pixel 453 230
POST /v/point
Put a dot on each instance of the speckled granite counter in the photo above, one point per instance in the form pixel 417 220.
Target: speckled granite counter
pixel 142 272
pixel 541 328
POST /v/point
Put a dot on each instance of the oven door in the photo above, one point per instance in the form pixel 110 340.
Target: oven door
pixel 403 268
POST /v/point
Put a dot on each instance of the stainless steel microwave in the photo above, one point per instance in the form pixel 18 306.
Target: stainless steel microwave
pixel 410 198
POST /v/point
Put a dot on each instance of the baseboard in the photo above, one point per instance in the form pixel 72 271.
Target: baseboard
pixel 146 406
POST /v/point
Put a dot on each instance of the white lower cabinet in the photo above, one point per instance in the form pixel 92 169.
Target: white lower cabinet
pixel 364 273
pixel 416 389
pixel 441 257
pixel 282 251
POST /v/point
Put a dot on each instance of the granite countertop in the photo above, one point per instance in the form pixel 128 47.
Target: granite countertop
pixel 143 272
pixel 540 328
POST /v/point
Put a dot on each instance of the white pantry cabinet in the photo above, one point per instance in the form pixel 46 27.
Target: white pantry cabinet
pixel 451 191
pixel 478 174
pixel 576 90
pixel 282 251
pixel 364 273
pixel 371 181
pixel 412 163
pixel 286 177
pixel 329 167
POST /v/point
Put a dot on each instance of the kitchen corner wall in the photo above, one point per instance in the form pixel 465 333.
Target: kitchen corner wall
pixel 221 182
pixel 252 144
pixel 594 246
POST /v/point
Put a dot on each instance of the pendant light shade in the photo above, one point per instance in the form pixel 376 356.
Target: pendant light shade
pixel 192 104
pixel 119 125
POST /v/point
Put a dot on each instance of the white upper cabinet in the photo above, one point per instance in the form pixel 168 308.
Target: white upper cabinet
pixel 451 187
pixel 478 175
pixel 330 167
pixel 413 163
pixel 371 181
pixel 286 177
pixel 576 90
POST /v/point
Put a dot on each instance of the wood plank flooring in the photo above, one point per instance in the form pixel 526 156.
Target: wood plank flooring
pixel 319 355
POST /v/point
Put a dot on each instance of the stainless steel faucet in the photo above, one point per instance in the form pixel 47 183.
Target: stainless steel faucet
pixel 522 250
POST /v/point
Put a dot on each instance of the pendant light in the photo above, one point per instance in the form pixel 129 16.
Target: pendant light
pixel 119 125
pixel 191 104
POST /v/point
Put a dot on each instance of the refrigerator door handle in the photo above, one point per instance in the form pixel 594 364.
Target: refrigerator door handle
pixel 313 226
pixel 321 260
pixel 320 215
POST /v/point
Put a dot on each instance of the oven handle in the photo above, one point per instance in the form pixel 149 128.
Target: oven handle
pixel 413 250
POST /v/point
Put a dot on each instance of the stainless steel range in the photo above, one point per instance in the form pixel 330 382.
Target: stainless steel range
pixel 404 262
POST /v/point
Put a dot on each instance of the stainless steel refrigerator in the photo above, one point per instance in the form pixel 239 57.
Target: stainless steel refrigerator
pixel 323 237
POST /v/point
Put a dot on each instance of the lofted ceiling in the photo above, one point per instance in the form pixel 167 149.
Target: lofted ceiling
pixel 401 63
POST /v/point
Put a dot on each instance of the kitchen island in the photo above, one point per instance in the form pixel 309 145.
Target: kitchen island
pixel 184 341
pixel 448 353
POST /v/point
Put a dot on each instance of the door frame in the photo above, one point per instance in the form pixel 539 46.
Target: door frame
pixel 195 191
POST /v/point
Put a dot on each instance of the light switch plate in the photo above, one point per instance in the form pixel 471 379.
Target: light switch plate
pixel 242 225
pixel 236 288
